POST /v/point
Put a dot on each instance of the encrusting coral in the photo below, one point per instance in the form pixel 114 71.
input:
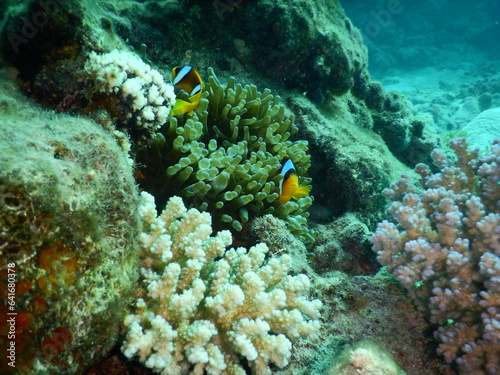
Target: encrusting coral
pixel 364 358
pixel 442 242
pixel 226 158
pixel 205 309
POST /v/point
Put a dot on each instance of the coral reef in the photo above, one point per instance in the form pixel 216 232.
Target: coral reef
pixel 269 51
pixel 202 307
pixel 346 118
pixel 442 243
pixel 226 158
pixel 338 78
pixel 68 228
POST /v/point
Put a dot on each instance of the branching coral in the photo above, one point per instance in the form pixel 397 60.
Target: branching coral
pixel 443 244
pixel 205 308
pixel 226 157
pixel 134 94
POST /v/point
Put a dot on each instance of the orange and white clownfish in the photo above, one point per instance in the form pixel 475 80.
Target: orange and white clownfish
pixel 188 79
pixel 289 185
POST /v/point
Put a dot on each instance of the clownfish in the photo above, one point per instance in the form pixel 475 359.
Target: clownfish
pixel 289 185
pixel 188 79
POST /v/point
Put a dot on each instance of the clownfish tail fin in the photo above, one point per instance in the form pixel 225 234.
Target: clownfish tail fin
pixel 301 191
pixel 180 107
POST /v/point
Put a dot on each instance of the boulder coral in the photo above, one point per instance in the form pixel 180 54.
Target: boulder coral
pixel 68 233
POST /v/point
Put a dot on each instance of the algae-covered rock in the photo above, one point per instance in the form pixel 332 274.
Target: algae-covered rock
pixel 344 245
pixel 307 45
pixel 68 228
pixel 351 164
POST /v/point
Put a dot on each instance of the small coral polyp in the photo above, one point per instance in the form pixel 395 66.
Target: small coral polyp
pixel 203 309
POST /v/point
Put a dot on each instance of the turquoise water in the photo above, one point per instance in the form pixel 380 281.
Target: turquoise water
pixel 440 54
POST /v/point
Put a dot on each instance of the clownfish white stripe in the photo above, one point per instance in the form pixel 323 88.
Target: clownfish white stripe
pixel 188 80
pixel 182 73
pixel 287 168
pixel 195 90
pixel 289 185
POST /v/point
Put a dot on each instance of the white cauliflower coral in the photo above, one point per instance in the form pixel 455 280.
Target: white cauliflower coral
pixel 146 100
pixel 204 308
